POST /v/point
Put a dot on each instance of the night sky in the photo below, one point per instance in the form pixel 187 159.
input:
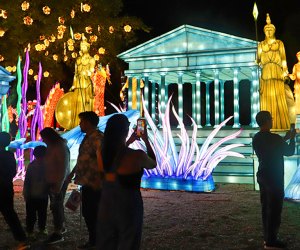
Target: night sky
pixel 228 16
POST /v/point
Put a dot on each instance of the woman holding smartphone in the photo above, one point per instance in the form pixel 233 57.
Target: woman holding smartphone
pixel 120 216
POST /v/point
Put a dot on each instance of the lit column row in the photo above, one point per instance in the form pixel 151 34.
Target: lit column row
pixel 254 91
pixel 180 95
pixel 197 99
pixel 236 110
pixel 217 96
pixel 160 96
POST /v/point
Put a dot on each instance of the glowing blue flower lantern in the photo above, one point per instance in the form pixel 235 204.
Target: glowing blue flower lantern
pixel 5 78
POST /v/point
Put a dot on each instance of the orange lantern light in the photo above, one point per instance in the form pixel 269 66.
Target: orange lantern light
pixel 127 28
pixel 46 10
pixel 25 6
pixel 27 20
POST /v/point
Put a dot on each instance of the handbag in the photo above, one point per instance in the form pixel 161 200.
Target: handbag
pixel 74 200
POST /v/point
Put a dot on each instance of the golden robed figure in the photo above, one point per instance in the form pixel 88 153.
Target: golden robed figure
pixel 80 98
pixel 296 76
pixel 275 96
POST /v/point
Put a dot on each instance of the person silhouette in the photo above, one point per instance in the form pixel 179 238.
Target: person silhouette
pixel 8 170
pixel 270 149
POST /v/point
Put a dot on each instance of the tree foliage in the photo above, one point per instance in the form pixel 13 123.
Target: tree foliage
pixel 52 29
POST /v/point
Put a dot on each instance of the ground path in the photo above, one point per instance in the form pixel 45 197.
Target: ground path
pixel 228 218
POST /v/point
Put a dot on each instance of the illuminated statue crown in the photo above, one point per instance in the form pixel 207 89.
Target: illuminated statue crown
pixel 269 25
pixel 84 41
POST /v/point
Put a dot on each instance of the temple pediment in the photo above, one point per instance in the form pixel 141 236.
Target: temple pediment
pixel 188 39
pixel 190 49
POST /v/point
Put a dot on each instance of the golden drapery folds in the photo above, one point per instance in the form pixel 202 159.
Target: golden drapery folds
pixel 296 76
pixel 81 95
pixel 275 96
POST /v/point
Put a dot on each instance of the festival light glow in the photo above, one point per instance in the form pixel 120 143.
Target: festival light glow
pixel 127 28
pixel 19 92
pixel 27 20
pixel 37 119
pixel 292 191
pixel 2 32
pixel 236 99
pixel 5 118
pixel 23 118
pixel 46 10
pixel 49 107
pixel 25 6
pixel 191 168
pixel 191 163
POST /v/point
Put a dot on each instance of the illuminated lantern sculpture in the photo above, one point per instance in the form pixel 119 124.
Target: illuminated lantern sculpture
pixel 93 38
pixel 46 10
pixel 99 79
pixel 127 28
pixel 5 78
pixel 25 6
pixel 86 7
pixel 89 29
pixel 72 14
pixel 2 32
pixel 81 96
pixel 49 108
pixel 61 20
pixel 37 119
pixel 27 20
pixel 3 14
pixel 101 51
pixel 77 36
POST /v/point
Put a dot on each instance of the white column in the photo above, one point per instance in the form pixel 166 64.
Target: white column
pixel 217 96
pixel 193 100
pixel 254 91
pixel 146 91
pixel 207 104
pixel 138 93
pixel 197 100
pixel 222 101
pixel 162 99
pixel 180 95
pixel 153 101
pixel 129 92
pixel 236 107
pixel 162 95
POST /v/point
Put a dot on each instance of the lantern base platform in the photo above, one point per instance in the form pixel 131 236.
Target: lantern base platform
pixel 178 183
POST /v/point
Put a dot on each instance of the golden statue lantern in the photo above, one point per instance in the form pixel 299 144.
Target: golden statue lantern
pixel 80 98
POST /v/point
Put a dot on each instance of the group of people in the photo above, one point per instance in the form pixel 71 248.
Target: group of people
pixel 45 180
pixel 108 172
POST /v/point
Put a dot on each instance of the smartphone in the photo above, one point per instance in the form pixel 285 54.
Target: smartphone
pixel 141 126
